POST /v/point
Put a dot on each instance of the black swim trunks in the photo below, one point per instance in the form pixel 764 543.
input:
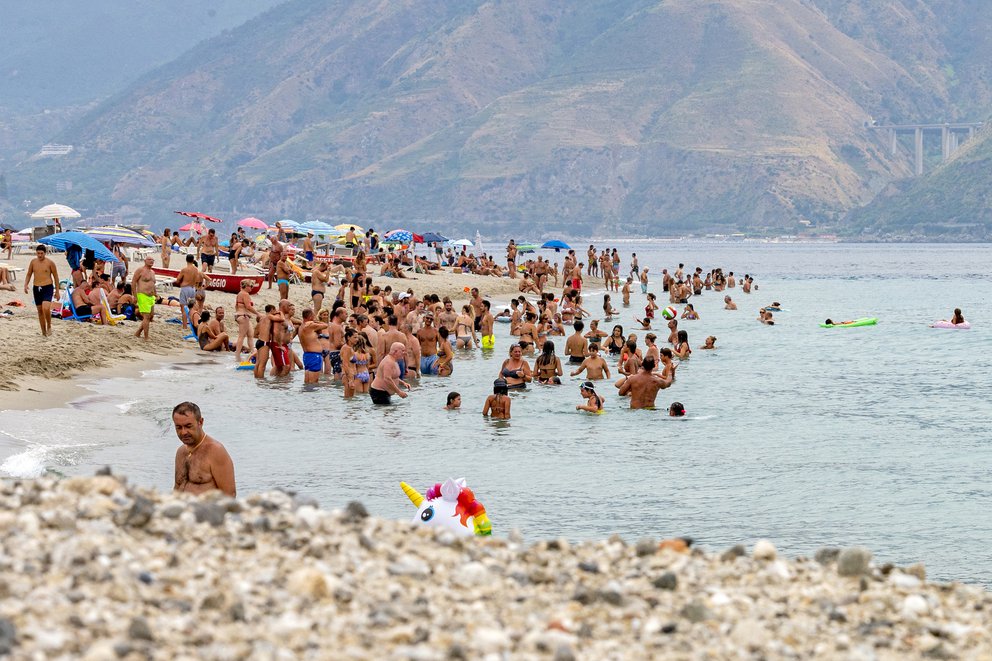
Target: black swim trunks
pixel 259 344
pixel 576 360
pixel 208 259
pixel 380 397
pixel 43 294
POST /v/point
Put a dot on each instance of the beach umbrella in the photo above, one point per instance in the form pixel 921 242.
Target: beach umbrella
pixel 252 223
pixel 460 242
pixel 319 228
pixel 434 237
pixel 192 227
pixel 344 227
pixel 199 216
pixel 63 240
pixel 527 247
pixel 52 211
pixel 556 245
pixel 119 235
pixel 398 236
pixel 286 224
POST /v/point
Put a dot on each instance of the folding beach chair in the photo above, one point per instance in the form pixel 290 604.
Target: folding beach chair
pixel 72 309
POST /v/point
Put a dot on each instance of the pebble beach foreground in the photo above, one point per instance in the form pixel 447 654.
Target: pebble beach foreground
pixel 93 568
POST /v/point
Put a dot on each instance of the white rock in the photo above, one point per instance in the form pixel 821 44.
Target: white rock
pixel 488 638
pixel 311 516
pixel 914 605
pixel 720 599
pixel 779 570
pixel 904 581
pixel 764 550
pixel 470 574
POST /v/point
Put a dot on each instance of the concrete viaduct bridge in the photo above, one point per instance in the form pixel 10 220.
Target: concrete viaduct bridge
pixel 951 137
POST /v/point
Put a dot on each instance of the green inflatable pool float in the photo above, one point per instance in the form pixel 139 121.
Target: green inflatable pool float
pixel 864 321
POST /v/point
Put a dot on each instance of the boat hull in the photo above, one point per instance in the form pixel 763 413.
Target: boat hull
pixel 221 281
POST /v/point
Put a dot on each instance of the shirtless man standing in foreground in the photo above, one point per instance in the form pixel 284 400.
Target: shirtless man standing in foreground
pixel 202 463
pixel 643 386
pixel 46 285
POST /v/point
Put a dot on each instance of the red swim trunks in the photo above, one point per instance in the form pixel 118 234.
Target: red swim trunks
pixel 280 354
pixel 576 283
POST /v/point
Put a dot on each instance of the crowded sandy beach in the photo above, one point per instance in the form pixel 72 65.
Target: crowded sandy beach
pixel 385 348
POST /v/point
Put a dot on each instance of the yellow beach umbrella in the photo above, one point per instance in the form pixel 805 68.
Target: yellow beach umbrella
pixel 344 227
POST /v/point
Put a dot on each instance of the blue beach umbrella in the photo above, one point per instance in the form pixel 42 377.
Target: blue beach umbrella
pixel 120 235
pixel 319 228
pixel 398 236
pixel 434 237
pixel 556 245
pixel 63 240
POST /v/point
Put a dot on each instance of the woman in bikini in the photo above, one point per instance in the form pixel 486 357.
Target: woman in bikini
pixel 244 310
pixel 348 367
pixel 614 343
pixel 682 349
pixel 359 360
pixel 498 404
pixel 234 252
pixel 208 340
pixel 608 310
pixel 690 312
pixel 515 370
pixel 547 367
pixel 465 329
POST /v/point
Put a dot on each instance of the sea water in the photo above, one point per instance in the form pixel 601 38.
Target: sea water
pixel 874 436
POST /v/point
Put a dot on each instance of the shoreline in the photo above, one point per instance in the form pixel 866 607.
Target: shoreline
pixel 38 369
pixel 274 571
pixel 41 393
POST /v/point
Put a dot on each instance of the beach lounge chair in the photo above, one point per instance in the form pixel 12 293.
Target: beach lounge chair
pixel 106 315
pixel 72 309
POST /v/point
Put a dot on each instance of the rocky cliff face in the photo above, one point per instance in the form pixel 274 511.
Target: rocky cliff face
pixel 648 116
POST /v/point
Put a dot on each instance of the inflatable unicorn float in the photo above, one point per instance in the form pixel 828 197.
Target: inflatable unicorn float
pixel 452 505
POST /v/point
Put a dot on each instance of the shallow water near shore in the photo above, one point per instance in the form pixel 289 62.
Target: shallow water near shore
pixel 875 436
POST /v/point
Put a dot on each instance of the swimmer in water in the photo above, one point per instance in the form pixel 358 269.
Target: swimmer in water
pixel 594 401
pixel 454 402
pixel 765 317
pixel 676 410
pixel 710 343
pixel 498 404
pixel 729 303
pixel 958 318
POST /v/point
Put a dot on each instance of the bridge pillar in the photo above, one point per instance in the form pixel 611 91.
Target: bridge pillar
pixel 919 150
pixel 954 142
pixel 945 143
pixel 894 141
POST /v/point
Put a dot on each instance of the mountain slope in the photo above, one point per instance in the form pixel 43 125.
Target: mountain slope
pixel 641 115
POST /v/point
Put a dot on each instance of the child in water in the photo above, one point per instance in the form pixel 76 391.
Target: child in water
pixel 594 401
pixel 454 402
pixel 676 410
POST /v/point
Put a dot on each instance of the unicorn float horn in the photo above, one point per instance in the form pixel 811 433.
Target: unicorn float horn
pixel 412 494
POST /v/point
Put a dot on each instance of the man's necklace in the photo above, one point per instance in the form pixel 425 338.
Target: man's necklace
pixel 190 453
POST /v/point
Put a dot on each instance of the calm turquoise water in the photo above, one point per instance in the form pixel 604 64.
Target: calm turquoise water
pixel 875 436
